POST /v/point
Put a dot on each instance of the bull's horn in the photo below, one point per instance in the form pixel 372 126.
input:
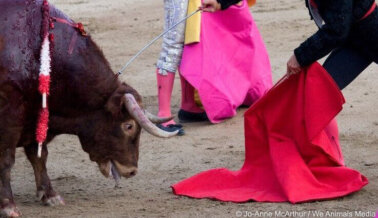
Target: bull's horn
pixel 156 119
pixel 137 113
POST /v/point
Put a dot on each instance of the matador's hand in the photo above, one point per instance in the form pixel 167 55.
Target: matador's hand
pixel 210 6
pixel 293 67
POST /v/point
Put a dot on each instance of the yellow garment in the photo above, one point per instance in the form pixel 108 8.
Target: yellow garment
pixel 193 24
pixel 197 99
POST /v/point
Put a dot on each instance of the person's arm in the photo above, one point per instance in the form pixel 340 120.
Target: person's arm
pixel 338 18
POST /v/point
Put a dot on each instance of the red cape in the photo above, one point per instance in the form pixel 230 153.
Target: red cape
pixel 292 148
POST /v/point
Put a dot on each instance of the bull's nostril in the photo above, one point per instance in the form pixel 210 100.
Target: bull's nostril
pixel 133 173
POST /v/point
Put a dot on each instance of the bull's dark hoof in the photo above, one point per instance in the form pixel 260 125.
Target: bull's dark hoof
pixel 172 128
pixel 188 117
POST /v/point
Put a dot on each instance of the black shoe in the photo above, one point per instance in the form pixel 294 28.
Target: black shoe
pixel 188 117
pixel 172 128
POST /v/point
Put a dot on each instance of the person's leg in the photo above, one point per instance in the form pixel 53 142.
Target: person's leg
pixel 189 111
pixel 344 65
pixel 165 87
pixel 187 97
pixel 170 56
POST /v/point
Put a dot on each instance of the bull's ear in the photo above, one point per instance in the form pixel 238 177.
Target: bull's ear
pixel 131 90
pixel 116 106
pixel 116 103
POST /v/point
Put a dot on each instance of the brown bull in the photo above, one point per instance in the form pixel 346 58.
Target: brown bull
pixel 86 99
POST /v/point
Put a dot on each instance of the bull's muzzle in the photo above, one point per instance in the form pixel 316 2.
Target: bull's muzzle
pixel 124 171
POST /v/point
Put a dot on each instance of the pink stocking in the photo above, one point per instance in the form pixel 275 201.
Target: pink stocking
pixel 187 97
pixel 165 87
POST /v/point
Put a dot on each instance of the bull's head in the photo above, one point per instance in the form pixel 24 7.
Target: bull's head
pixel 111 135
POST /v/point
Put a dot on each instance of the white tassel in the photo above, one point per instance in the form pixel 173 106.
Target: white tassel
pixel 45 58
pixel 39 150
pixel 44 100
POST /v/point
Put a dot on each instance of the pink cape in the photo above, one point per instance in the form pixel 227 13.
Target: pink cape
pixel 292 148
pixel 230 66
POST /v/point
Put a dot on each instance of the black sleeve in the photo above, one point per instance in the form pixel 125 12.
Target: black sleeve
pixel 338 18
pixel 227 3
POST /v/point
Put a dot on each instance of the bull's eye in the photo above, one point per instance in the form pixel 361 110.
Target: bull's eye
pixel 128 126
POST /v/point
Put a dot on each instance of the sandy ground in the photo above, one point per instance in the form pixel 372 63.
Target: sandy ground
pixel 121 27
